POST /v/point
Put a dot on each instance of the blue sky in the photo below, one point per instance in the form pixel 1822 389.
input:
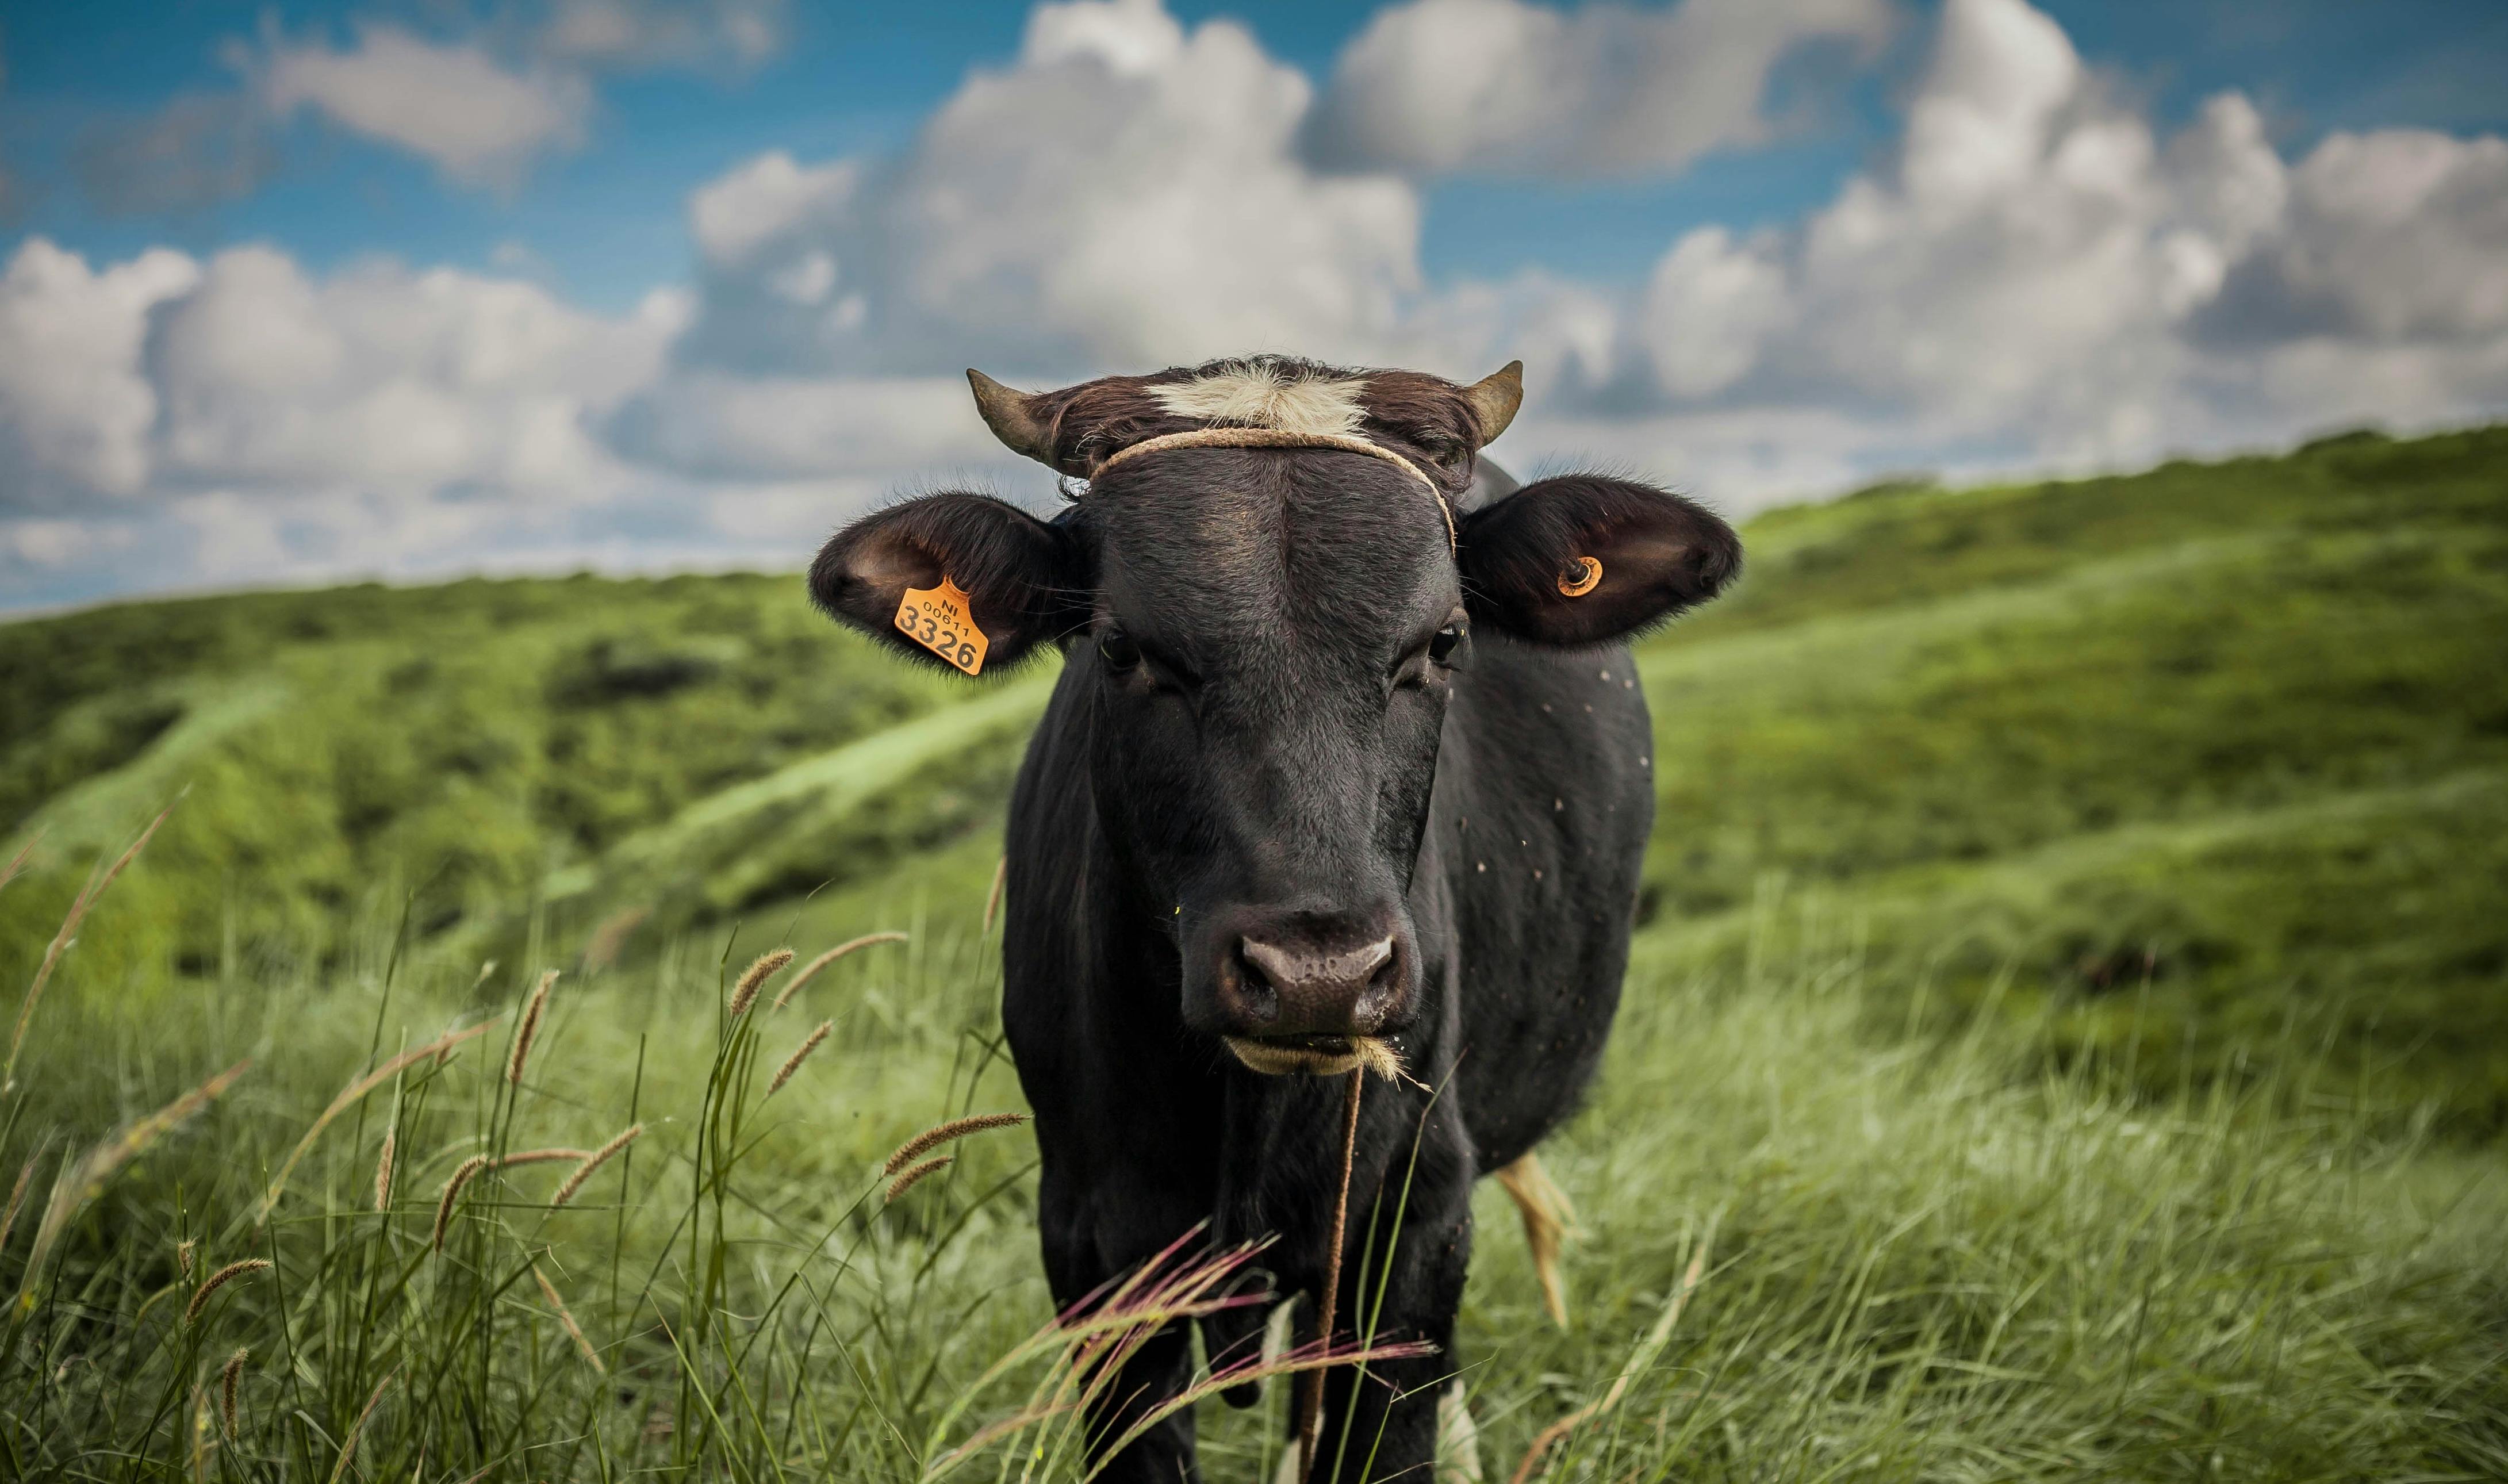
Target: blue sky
pixel 1671 248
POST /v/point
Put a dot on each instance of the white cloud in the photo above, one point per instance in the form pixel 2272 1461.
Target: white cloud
pixel 2037 279
pixel 75 409
pixel 1502 87
pixel 646 33
pixel 392 379
pixel 771 197
pixel 477 121
pixel 1127 190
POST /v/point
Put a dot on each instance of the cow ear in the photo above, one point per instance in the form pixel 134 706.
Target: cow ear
pixel 1582 559
pixel 1022 579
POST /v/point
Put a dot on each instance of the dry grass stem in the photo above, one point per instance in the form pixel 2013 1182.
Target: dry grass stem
pixel 603 948
pixel 529 1027
pixel 1641 1359
pixel 744 993
pixel 566 1316
pixel 87 1179
pixel 383 1171
pixel 915 1177
pixel 993 898
pixel 17 862
pixel 945 1133
pixel 77 913
pixel 810 970
pixel 219 1280
pixel 227 1379
pixel 592 1161
pixel 462 1174
pixel 17 1198
pixel 792 1063
pixel 348 1444
pixel 440 1046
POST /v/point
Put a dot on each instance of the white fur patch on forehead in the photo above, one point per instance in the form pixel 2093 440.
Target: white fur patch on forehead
pixel 1256 393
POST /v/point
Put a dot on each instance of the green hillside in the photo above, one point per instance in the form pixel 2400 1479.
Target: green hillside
pixel 2167 760
pixel 2068 1039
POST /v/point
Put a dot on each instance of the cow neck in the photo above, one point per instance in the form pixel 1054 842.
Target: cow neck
pixel 1278 437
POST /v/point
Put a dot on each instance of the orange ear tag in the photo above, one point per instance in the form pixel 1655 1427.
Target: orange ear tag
pixel 940 619
pixel 1582 575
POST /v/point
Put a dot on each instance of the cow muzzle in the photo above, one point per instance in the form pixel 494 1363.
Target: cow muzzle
pixel 1312 993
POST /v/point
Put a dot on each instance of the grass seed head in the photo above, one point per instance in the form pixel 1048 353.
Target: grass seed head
pixel 745 992
pixel 810 970
pixel 792 1063
pixel 183 1255
pixel 945 1133
pixel 384 1173
pixel 219 1280
pixel 566 1316
pixel 227 1379
pixel 529 1027
pixel 592 1161
pixel 914 1175
pixel 462 1174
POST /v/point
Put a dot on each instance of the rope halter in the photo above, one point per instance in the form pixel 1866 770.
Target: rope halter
pixel 1274 437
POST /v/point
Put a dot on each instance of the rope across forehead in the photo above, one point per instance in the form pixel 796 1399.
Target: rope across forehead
pixel 1278 438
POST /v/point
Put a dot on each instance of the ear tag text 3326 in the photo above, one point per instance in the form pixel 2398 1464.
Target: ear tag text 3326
pixel 940 619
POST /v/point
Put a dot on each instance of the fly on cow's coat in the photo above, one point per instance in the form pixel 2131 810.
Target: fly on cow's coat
pixel 1313 647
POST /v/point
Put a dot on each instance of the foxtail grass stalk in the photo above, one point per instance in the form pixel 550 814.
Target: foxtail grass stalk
pixel 800 1054
pixel 592 1161
pixel 810 970
pixel 916 1174
pixel 462 1174
pixel 87 1179
pixel 348 1444
pixel 219 1280
pixel 17 1199
pixel 949 1132
pixel 78 912
pixel 383 1171
pixel 228 1377
pixel 528 1028
pixel 439 1047
pixel 17 862
pixel 566 1316
pixel 744 993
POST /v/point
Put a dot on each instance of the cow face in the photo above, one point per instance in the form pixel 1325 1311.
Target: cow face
pixel 1272 636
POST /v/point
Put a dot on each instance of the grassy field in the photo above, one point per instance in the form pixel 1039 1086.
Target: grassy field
pixel 2068 1037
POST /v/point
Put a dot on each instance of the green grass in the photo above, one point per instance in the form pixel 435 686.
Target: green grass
pixel 2071 1020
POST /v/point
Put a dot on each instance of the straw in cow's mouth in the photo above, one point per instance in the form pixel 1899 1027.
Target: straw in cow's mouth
pixel 1316 1056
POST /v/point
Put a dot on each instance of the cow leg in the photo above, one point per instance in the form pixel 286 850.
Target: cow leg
pixel 1075 1268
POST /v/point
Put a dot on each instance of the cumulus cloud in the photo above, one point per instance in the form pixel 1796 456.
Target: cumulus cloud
pixel 1504 87
pixel 648 33
pixel 453 104
pixel 75 409
pixel 1126 189
pixel 162 375
pixel 2038 276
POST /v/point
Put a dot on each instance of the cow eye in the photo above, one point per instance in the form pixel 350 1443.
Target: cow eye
pixel 1443 644
pixel 1116 649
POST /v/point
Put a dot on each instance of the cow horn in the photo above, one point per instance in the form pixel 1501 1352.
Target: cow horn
pixel 1006 413
pixel 1494 397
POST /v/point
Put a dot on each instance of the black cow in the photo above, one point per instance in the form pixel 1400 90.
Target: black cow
pixel 1336 760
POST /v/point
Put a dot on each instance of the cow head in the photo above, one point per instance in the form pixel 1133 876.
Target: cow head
pixel 1271 637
